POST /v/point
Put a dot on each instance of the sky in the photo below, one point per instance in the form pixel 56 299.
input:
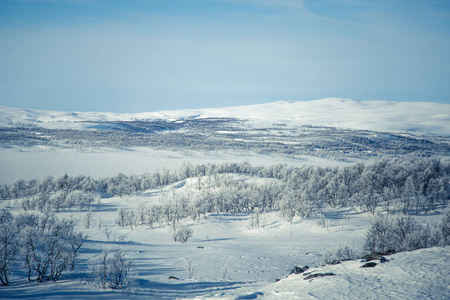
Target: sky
pixel 152 55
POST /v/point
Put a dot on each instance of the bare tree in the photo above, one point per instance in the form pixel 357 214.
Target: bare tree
pixel 48 248
pixel 191 268
pixel 113 270
pixel 8 244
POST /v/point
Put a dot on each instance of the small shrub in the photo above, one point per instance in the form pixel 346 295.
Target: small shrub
pixel 182 234
pixel 340 254
pixel 191 268
pixel 113 270
pixel 323 222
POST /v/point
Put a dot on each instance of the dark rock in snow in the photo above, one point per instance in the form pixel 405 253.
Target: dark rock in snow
pixel 373 256
pixel 377 255
pixel 173 277
pixel 298 270
pixel 318 275
pixel 250 296
pixel 369 265
pixel 389 252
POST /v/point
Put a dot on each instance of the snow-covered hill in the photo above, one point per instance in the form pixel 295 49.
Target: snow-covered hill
pixel 333 112
pixel 420 274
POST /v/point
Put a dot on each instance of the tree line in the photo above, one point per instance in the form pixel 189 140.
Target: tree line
pixel 396 185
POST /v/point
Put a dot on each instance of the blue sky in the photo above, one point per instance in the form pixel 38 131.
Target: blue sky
pixel 137 55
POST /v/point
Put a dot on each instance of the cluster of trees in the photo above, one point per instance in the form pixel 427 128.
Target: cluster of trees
pixel 119 185
pixel 43 247
pixel 390 234
pixel 402 233
pixel 58 201
pixel 416 185
pixel 398 185
pixel 40 244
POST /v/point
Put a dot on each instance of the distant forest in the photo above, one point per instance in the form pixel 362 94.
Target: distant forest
pixel 229 134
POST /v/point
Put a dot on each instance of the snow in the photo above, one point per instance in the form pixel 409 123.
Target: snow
pixel 40 161
pixel 232 259
pixel 420 274
pixel 333 112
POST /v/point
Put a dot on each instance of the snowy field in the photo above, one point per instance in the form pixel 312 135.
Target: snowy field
pixel 38 162
pixel 230 259
pixel 237 255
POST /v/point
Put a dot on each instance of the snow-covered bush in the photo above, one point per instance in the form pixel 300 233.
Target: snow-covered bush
pixel 182 234
pixel 113 270
pixel 403 233
pixel 390 233
pixel 340 254
pixel 444 227
pixel 323 222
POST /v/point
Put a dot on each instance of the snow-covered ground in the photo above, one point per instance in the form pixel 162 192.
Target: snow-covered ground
pixel 231 258
pixel 420 274
pixel 334 112
pixel 38 162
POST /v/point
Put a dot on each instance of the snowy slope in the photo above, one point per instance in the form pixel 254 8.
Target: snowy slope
pixel 420 274
pixel 335 112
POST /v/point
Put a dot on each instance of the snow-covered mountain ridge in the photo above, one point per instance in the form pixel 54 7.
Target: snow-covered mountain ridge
pixel 331 112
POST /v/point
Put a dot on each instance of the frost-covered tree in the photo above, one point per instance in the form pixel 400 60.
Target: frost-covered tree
pixel 445 227
pixel 181 233
pixel 47 245
pixel 113 270
pixel 390 233
pixel 121 218
pixel 8 244
pixel 403 233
